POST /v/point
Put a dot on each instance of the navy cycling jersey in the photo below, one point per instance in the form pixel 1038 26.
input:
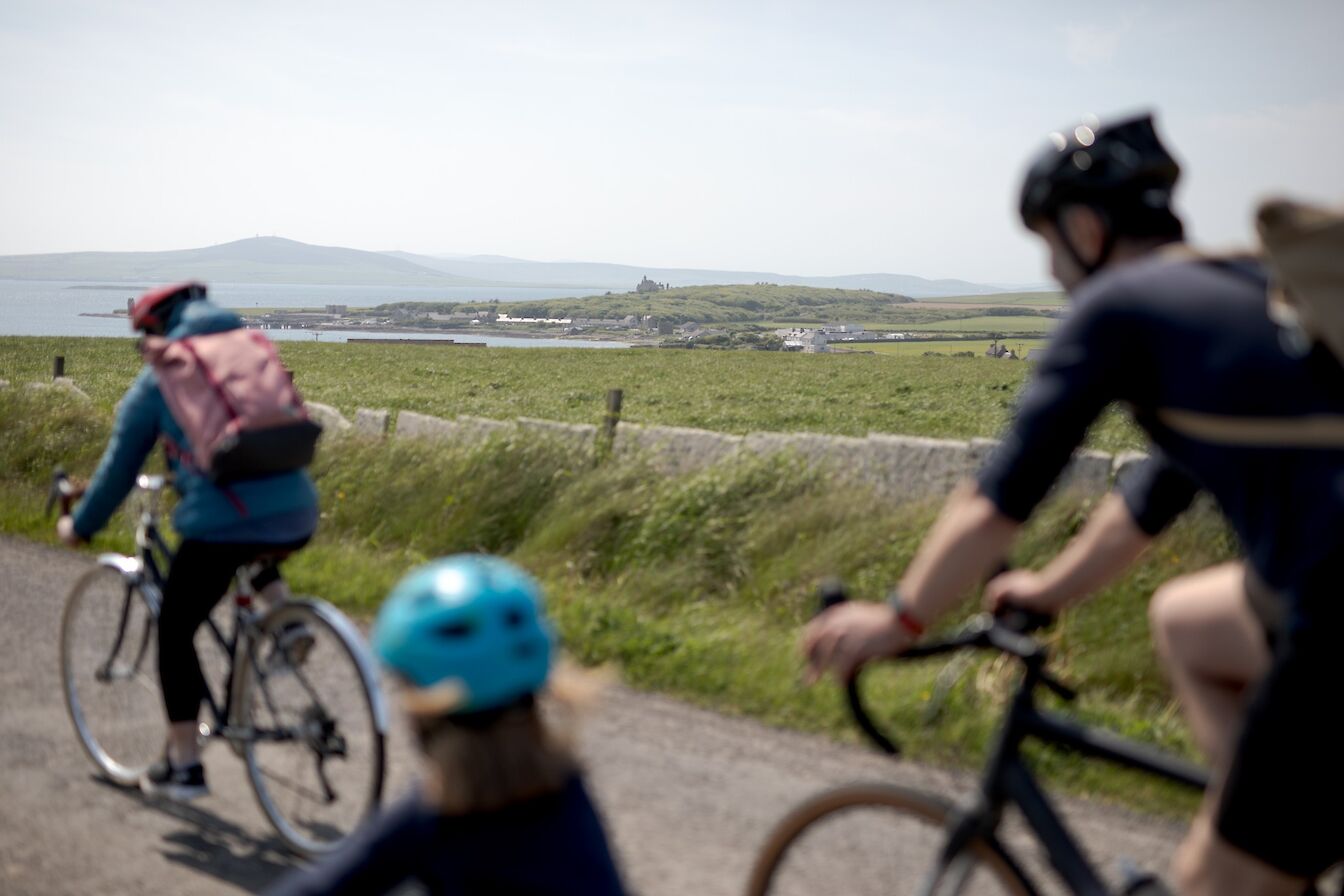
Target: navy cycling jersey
pixel 550 846
pixel 1157 492
pixel 1190 335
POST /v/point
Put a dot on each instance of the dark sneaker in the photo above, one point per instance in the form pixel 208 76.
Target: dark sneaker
pixel 176 783
pixel 1146 885
pixel 293 643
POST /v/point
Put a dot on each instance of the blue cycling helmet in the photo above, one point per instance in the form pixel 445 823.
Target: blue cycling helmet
pixel 468 620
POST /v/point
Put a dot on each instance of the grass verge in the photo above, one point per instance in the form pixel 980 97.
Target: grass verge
pixel 695 586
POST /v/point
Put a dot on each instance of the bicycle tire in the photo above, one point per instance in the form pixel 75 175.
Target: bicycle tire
pixel 109 673
pixel 320 784
pixel 862 838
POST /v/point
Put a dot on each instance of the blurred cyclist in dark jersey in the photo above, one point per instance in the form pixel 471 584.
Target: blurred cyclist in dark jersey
pixel 503 807
pixel 1186 342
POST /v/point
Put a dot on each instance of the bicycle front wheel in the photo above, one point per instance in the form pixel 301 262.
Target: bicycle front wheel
pixel 109 674
pixel 315 726
pixel 878 840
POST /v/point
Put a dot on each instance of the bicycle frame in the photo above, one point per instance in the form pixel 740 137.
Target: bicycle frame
pixel 1009 781
pixel 143 572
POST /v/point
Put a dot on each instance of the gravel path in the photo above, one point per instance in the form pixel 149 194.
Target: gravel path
pixel 688 794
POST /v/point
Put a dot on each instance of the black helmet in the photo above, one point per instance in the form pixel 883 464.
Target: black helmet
pixel 1122 169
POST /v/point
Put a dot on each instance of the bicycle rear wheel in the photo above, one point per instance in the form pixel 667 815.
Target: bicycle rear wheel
pixel 314 750
pixel 877 840
pixel 109 674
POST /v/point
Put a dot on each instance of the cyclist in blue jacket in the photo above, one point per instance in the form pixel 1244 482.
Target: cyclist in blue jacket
pixel 503 807
pixel 1187 343
pixel 222 527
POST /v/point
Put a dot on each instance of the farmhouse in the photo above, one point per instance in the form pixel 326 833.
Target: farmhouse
pixel 803 340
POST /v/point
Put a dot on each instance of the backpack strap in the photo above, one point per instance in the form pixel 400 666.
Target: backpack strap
pixel 210 377
pixel 1245 263
pixel 1306 431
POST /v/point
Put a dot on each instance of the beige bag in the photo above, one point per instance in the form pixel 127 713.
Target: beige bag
pixel 1304 251
pixel 1304 247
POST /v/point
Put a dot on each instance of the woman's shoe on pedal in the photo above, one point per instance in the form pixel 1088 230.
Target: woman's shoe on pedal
pixel 179 783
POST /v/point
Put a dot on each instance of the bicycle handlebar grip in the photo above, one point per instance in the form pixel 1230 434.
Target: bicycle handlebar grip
pixel 831 592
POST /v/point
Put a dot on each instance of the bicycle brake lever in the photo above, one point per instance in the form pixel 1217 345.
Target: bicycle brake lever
pixel 54 493
pixel 1020 620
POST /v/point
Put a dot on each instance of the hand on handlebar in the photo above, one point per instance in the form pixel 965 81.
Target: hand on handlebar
pixel 65 492
pixel 1023 589
pixel 844 637
pixel 65 530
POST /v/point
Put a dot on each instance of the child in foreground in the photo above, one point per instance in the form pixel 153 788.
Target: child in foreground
pixel 503 807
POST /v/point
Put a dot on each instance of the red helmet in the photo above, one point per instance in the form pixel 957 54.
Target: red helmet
pixel 151 311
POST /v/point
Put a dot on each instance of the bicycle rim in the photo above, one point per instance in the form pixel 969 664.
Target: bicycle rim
pixel 877 840
pixel 109 674
pixel 315 754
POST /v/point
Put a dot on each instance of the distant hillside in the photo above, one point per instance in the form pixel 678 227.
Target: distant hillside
pixel 266 259
pixel 732 303
pixel 592 275
pixel 277 260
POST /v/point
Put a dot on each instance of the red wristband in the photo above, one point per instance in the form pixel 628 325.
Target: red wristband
pixel 903 617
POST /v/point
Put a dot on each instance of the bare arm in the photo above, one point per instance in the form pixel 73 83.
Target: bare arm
pixel 967 542
pixel 1109 543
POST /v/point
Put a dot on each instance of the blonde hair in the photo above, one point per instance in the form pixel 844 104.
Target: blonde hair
pixel 483 761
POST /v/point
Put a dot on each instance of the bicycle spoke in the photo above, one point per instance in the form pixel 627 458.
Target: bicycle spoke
pixel 291 786
pixel 316 758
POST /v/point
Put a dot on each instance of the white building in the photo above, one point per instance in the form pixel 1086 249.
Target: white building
pixel 804 340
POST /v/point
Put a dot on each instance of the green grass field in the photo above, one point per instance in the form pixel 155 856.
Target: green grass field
pixel 1045 299
pixel 696 586
pixel 994 323
pixel 737 392
pixel 947 347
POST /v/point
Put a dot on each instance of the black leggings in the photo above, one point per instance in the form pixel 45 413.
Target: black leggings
pixel 198 578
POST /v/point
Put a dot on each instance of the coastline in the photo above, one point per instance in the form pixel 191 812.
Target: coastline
pixel 252 322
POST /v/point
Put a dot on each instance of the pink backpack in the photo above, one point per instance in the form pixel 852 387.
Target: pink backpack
pixel 236 404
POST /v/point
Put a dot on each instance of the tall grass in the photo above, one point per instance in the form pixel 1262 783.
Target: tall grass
pixel 695 585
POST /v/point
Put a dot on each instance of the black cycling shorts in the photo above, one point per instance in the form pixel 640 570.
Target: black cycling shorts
pixel 1282 796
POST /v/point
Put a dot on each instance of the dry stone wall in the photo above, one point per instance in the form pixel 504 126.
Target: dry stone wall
pixel 898 467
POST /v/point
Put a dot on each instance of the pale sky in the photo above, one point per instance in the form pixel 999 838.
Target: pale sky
pixel 806 138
